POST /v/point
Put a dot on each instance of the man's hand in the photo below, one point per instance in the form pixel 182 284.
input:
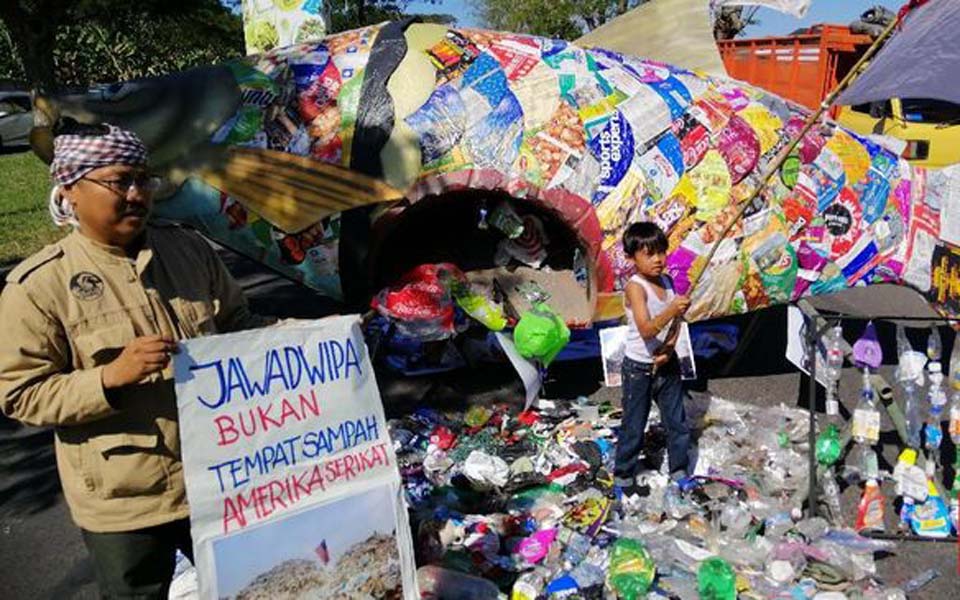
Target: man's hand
pixel 660 359
pixel 140 358
pixel 679 305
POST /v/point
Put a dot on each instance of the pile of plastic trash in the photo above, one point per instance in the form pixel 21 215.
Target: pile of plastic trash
pixel 521 504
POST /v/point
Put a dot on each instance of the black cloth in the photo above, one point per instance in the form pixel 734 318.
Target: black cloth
pixel 138 564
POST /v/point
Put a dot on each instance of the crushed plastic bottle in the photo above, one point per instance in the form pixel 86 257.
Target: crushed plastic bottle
pixel 528 586
pixel 716 580
pixel 920 580
pixel 631 569
pixel 866 417
pixel 438 583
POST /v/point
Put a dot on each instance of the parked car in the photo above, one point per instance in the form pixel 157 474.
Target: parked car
pixel 16 120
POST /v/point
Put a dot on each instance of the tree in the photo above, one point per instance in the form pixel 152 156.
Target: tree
pixel 570 19
pixel 730 22
pixel 565 19
pixel 351 14
pixel 55 43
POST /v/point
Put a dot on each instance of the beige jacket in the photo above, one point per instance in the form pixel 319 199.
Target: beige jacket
pixel 70 309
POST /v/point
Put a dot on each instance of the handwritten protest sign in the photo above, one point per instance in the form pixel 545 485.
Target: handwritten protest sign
pixel 290 472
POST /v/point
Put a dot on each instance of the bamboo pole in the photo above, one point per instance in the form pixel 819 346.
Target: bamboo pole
pixel 786 151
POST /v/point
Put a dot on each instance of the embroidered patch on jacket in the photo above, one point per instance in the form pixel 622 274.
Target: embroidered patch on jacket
pixel 86 285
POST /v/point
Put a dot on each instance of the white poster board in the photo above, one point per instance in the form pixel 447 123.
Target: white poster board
pixel 289 467
pixel 797 352
pixel 613 345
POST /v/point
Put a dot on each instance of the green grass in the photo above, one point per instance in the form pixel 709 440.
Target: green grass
pixel 25 224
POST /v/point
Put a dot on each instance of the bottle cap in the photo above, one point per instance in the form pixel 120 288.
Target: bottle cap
pixel 934 367
pixel 909 456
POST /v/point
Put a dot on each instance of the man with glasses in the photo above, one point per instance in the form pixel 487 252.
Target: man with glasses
pixel 89 324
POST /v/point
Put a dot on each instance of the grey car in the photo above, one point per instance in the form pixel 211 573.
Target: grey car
pixel 16 120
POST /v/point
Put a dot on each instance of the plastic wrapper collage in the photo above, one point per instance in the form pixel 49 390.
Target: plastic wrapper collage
pixel 600 140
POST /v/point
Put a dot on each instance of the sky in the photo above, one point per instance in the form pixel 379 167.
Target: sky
pixel 241 557
pixel 771 21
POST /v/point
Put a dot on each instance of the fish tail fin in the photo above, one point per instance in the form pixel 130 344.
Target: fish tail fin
pixel 293 192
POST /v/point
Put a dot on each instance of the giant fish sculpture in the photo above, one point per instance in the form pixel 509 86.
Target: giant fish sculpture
pixel 275 155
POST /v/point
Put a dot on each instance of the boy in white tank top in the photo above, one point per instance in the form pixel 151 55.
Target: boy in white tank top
pixel 650 366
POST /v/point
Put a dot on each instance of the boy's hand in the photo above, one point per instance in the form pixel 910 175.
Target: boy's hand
pixel 680 305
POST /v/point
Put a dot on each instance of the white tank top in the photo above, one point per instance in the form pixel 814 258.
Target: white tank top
pixel 637 348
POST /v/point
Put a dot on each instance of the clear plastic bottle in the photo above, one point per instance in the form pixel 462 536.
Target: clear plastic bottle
pixel 866 417
pixel 834 367
pixel 934 345
pixel 936 395
pixel 914 419
pixel 954 495
pixel 831 494
pixel 955 411
pixel 444 584
pixel 528 586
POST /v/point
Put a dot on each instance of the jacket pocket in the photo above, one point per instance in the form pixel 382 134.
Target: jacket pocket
pixel 196 317
pixel 101 345
pixel 127 464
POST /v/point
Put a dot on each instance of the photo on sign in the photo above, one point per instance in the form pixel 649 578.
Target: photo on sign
pixel 347 548
pixel 613 342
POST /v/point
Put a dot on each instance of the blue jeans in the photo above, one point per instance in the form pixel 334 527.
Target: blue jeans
pixel 639 385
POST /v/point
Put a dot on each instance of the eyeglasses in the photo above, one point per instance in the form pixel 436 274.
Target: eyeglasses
pixel 124 184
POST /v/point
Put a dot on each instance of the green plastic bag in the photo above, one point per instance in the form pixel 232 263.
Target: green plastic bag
pixel 631 569
pixel 541 334
pixel 828 446
pixel 716 580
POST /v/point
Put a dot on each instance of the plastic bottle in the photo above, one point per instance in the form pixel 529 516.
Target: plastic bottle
pixel 716 580
pixel 955 410
pixel 920 580
pixel 507 221
pixel 931 518
pixel 934 345
pixel 631 569
pixel 866 417
pixel 871 508
pixel 932 430
pixel 831 494
pixel 438 583
pixel 828 446
pixel 914 420
pixel 911 480
pixel 834 366
pixel 955 495
pixel 588 575
pixel 528 586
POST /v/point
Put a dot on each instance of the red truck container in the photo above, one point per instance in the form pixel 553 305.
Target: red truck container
pixel 802 67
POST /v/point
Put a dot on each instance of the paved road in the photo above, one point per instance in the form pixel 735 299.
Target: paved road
pixel 42 555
